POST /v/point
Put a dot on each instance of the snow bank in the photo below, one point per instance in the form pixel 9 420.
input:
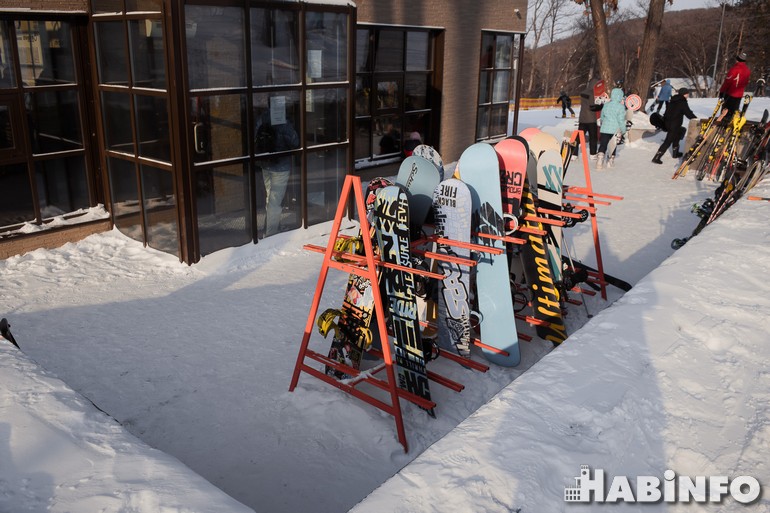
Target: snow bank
pixel 58 453
pixel 672 376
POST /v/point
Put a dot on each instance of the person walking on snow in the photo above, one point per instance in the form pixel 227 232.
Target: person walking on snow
pixel 566 104
pixel 613 121
pixel 664 95
pixel 677 109
pixel 733 87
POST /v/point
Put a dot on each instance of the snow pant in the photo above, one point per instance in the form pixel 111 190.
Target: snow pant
pixel 593 136
pixel 604 142
pixel 659 105
pixel 564 109
pixel 672 137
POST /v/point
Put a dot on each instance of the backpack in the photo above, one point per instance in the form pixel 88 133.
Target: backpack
pixel 265 140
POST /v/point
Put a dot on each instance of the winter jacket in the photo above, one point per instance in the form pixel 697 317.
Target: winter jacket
pixel 664 94
pixel 565 100
pixel 614 114
pixel 677 109
pixel 736 80
pixel 586 102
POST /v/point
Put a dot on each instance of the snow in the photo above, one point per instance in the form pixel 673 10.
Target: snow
pixel 194 364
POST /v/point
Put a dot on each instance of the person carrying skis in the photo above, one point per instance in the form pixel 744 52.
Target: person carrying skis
pixel 613 121
pixel 733 87
pixel 664 95
pixel 566 104
pixel 677 109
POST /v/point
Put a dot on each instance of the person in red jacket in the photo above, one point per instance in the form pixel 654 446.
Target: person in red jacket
pixel 732 88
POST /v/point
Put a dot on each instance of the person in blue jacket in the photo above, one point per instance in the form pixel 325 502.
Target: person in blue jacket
pixel 613 123
pixel 664 96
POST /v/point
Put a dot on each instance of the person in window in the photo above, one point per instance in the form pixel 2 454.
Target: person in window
pixel 390 141
pixel 274 138
pixel 414 141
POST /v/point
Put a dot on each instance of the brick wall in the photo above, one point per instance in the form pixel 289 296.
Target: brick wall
pixel 462 21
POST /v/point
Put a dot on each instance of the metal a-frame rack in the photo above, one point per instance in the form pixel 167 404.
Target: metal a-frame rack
pixel 366 267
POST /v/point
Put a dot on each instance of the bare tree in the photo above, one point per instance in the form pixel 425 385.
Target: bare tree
pixel 649 47
pixel 601 34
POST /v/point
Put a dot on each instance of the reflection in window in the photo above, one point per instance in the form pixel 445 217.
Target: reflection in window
pixel 111 53
pixel 160 211
pixel 106 6
pixel 45 52
pixel 219 127
pixel 62 186
pixel 126 208
pixel 152 127
pixel 274 47
pixel 325 174
pixel 276 118
pixel 325 116
pixel 143 5
pixel 216 49
pixel 16 205
pixel 116 109
pixel 54 121
pixel 363 55
pixel 417 51
pixel 6 61
pixel 416 91
pixel 6 129
pixel 147 62
pixel 279 194
pixel 327 46
pixel 387 131
pixel 387 95
pixel 390 51
pixel 222 204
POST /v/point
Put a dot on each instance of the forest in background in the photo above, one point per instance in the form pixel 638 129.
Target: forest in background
pixel 687 47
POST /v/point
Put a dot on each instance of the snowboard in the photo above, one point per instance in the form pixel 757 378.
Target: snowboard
pixel 549 195
pixel 479 169
pixel 513 155
pixel 352 332
pixel 392 221
pixel 452 206
pixel 5 332
pixel 419 177
pixel 545 297
pixel 429 153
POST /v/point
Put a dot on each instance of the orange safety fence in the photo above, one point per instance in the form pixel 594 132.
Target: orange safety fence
pixel 545 103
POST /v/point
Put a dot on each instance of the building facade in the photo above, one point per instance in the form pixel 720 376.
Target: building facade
pixel 196 125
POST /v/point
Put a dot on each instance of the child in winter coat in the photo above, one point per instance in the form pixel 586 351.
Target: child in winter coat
pixel 613 121
pixel 566 104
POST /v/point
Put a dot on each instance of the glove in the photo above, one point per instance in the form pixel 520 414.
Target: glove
pixel 721 95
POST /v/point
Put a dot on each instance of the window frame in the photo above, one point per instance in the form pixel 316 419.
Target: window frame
pixel 486 103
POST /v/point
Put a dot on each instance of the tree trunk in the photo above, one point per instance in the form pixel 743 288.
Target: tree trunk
pixel 601 34
pixel 649 46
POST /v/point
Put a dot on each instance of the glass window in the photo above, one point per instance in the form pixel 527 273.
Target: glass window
pixel 327 46
pixel 126 208
pixel 390 50
pixel 388 94
pixel 116 108
pixel 276 118
pixel 219 127
pixel 279 194
pixel 45 52
pixel 16 204
pixel 274 47
pixel 152 127
pixel 417 51
pixel 222 204
pixel 160 210
pixel 325 174
pixel 147 61
pixel 363 51
pixel 363 138
pixel 387 133
pixel 54 121
pixel 416 92
pixel 495 84
pixel 363 94
pixel 325 116
pixel 62 185
pixel 216 46
pixel 7 78
pixel 111 52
